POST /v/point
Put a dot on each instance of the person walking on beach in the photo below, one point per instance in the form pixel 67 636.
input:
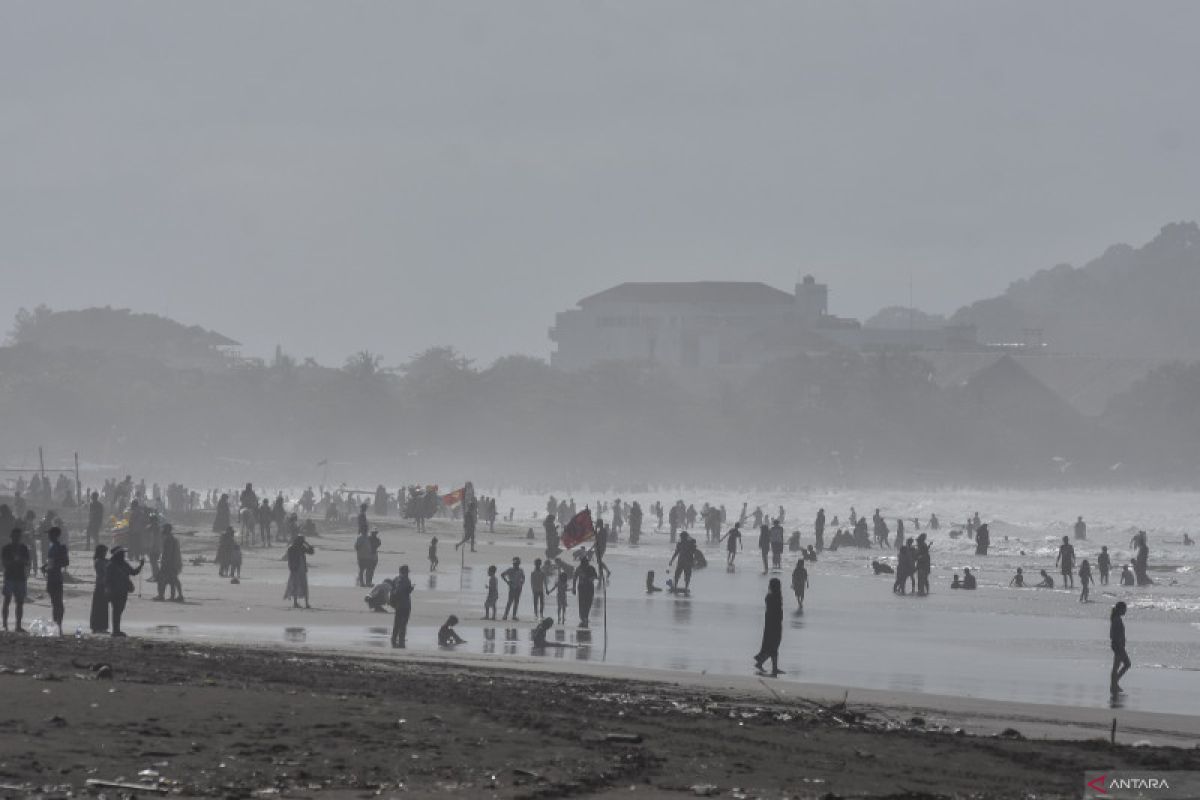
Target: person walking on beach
pixel 537 586
pixel 1104 564
pixel 433 556
pixel 1085 579
pixel 584 586
pixel 734 541
pixel 1065 561
pixel 401 602
pixel 118 583
pixel 685 551
pixel 1116 636
pixel 800 582
pixel 297 560
pixel 57 559
pixel 772 629
pixel 170 565
pixel 514 578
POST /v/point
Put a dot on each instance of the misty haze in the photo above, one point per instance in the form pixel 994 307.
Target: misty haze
pixel 414 400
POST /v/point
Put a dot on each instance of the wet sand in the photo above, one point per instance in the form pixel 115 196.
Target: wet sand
pixel 201 720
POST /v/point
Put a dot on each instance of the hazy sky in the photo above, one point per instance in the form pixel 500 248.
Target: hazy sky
pixel 394 175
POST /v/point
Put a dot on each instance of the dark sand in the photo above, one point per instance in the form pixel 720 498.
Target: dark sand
pixel 242 722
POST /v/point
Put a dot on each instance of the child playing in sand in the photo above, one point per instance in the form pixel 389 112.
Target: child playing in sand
pixel 447 637
pixel 1018 579
pixel 493 594
pixel 433 559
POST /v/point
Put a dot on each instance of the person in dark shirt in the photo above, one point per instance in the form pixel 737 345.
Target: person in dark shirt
pixel 772 629
pixel 169 567
pixel 584 587
pixel 118 585
pixel 401 602
pixel 95 520
pixel 15 558
pixel 57 559
pixel 514 577
pixel 1116 636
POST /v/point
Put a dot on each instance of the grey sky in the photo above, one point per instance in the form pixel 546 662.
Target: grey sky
pixel 344 175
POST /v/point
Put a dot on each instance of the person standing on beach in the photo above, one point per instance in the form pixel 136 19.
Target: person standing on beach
pixel 1080 529
pixel 777 544
pixel 99 616
pixel 562 583
pixel 764 545
pixel 170 565
pixel 537 586
pixel 373 545
pixel 1085 578
pixel 772 629
pixel 1104 564
pixel 297 560
pixel 1116 636
pixel 95 519
pixel 584 586
pixel 364 527
pixel 819 529
pixel 361 546
pixel 685 551
pixel 1065 561
pixel 16 561
pixel 433 556
pixel 401 602
pixel 118 583
pixel 514 577
pixel 493 594
pixel 57 559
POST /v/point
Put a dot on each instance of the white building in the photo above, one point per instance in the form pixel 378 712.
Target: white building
pixel 708 324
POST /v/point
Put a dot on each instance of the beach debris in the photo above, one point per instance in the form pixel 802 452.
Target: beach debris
pixel 1010 733
pixel 917 722
pixel 131 787
pixel 623 738
pixel 705 790
pixel 57 721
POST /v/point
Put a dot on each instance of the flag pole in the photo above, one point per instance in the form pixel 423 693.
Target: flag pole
pixel 604 586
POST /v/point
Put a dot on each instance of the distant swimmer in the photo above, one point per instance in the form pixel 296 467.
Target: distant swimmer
pixel 881 568
pixel 1047 582
pixel 1018 580
pixel 1116 636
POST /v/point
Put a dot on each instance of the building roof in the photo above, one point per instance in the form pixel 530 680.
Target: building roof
pixel 739 292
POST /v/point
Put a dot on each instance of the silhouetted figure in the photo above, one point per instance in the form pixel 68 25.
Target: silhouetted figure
pixel 297 560
pixel 584 586
pixel 514 578
pixel 924 565
pixel 777 544
pixel 1141 559
pixel 380 595
pixel 1085 579
pixel 222 520
pixel 98 620
pixel 57 559
pixel 118 583
pixel 772 629
pixel 1104 565
pixel 968 581
pixel 470 516
pixel 17 563
pixel 685 553
pixel 493 594
pixel 447 636
pixel 1018 580
pixel 170 566
pixel 1080 529
pixel 881 568
pixel 1127 578
pixel 819 529
pixel 362 546
pixel 733 539
pixel 401 601
pixel 764 544
pixel 540 642
pixel 800 582
pixel 1116 637
pixel 934 524
pixel 95 520
pixel 537 587
pixel 373 545
pixel 955 582
pixel 983 538
pixel 1065 561
pixel 433 554
pixel 364 527
pixel 1046 582
pixel 561 585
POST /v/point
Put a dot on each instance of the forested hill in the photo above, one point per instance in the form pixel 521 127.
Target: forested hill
pixel 1139 302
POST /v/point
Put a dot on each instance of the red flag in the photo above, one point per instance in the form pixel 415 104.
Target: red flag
pixel 452 499
pixel 578 530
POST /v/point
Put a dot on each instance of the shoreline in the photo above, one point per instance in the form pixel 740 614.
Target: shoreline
pixel 237 721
